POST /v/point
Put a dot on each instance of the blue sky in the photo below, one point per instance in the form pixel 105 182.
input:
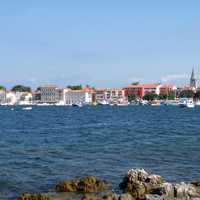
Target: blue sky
pixel 102 43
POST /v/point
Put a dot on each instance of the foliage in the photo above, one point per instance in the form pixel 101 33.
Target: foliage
pixel 186 94
pixel 150 97
pixel 21 88
pixel 163 96
pixel 75 87
pixel 135 83
pixel 38 89
pixel 2 87
pixel 132 97
pixel 197 95
pixel 172 95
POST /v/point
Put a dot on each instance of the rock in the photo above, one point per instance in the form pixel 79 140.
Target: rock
pixel 111 196
pixel 138 183
pixel 91 197
pixel 33 196
pixel 165 191
pixel 126 196
pixel 185 191
pixel 87 184
pixel 154 197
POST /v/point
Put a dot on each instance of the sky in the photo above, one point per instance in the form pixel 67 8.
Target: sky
pixel 103 43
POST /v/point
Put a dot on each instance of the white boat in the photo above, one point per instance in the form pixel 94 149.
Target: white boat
pixel 155 103
pixel 77 105
pixel 123 104
pixel 27 108
pixel 197 103
pixel 104 102
pixel 143 102
pixel 186 103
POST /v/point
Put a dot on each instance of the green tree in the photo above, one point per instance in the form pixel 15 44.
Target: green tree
pixel 21 88
pixel 2 87
pixel 197 95
pixel 135 83
pixel 163 96
pixel 186 94
pixel 132 97
pixel 75 87
pixel 172 95
pixel 150 97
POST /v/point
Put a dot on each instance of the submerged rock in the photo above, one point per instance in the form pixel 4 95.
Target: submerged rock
pixel 87 184
pixel 33 196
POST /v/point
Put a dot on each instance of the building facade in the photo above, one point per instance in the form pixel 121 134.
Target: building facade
pixel 84 96
pixel 142 89
pixel 113 95
pixel 2 96
pixel 50 94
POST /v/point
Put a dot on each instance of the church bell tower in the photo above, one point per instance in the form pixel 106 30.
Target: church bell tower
pixel 193 80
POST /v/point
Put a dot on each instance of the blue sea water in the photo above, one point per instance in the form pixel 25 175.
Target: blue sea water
pixel 40 147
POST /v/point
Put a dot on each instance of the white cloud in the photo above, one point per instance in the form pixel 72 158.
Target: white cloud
pixel 174 77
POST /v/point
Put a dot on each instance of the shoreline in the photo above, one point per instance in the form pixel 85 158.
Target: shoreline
pixel 137 184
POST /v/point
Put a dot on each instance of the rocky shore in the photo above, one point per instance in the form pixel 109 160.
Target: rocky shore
pixel 137 184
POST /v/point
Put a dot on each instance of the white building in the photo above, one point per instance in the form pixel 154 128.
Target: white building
pixel 26 98
pixel 84 96
pixel 110 95
pixel 11 98
pixel 51 94
pixel 2 96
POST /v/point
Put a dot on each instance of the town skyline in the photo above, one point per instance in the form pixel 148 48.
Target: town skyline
pixel 167 80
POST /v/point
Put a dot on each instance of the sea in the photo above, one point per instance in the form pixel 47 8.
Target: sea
pixel 45 145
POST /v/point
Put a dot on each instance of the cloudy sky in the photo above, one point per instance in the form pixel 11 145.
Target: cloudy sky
pixel 102 43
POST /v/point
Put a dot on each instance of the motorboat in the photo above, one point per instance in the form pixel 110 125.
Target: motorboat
pixel 27 108
pixel 143 103
pixel 186 103
pixel 154 103
pixel 77 105
pixel 197 103
pixel 104 102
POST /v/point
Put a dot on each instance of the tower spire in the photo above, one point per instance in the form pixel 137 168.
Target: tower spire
pixel 193 80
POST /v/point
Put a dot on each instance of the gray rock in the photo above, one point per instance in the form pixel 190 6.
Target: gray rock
pixel 126 196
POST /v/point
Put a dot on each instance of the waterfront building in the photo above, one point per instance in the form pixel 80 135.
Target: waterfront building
pixel 166 89
pixel 193 81
pixel 11 98
pixel 24 98
pixel 110 95
pixel 142 89
pixel 50 94
pixel 37 96
pixel 84 96
pixel 2 96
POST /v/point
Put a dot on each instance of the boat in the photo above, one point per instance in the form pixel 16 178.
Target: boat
pixel 27 108
pixel 122 104
pixel 186 103
pixel 77 105
pixel 143 102
pixel 197 103
pixel 154 103
pixel 104 102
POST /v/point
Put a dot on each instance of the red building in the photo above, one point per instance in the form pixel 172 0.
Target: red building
pixel 142 89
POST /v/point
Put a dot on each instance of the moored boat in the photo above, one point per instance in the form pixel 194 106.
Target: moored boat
pixel 186 103
pixel 27 108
